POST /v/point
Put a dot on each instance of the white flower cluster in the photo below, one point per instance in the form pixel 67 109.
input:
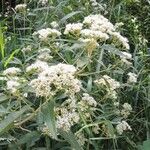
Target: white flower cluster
pixel 125 57
pixel 105 80
pixel 74 28
pixel 66 119
pixel 132 77
pixel 12 71
pixel 87 104
pixel 56 78
pixel 97 35
pixel 43 2
pixel 21 7
pixel 37 67
pixel 67 113
pixel 54 24
pixel 98 6
pixel 27 49
pixel 44 34
pixel 101 24
pixel 12 86
pixel 41 87
pixel 96 28
pixel 12 79
pixel 94 3
pixel 44 54
pixel 89 100
pixel 122 126
pixel 118 24
pixel 125 112
pixel 120 40
pixel 81 138
pixel 98 22
pixel 89 44
pixel 111 85
pixel 96 129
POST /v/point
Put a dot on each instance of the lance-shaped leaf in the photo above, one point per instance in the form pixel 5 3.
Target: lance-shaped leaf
pixel 3 97
pixel 8 122
pixel 71 139
pixel 49 117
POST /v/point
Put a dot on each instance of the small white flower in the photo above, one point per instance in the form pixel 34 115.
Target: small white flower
pixel 89 44
pixel 66 119
pixel 89 100
pixel 132 77
pixel 74 28
pixel 42 50
pixel 81 138
pixel 44 54
pixel 127 107
pixel 99 23
pixel 126 62
pixel 12 86
pixel 116 104
pixel 21 7
pixel 96 129
pixel 98 35
pixel 43 2
pixel 38 66
pixel 119 24
pixel 105 80
pixel 27 49
pixel 12 71
pixel 54 24
pixel 41 87
pixel 44 34
pixel 97 19
pixel 44 57
pixel 112 94
pixel 122 126
pixel 120 40
pixel 110 84
pixel 125 112
pixel 126 55
pixel 25 94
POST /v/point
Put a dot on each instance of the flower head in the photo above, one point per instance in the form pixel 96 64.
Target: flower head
pixel 12 71
pixel 21 7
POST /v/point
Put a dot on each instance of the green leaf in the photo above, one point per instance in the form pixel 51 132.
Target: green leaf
pixel 2 43
pixel 29 139
pixel 69 16
pixel 110 128
pixel 3 97
pixel 8 122
pixel 89 84
pixel 112 49
pixel 146 145
pixel 82 62
pixel 49 117
pixel 3 111
pixel 71 139
pixel 10 57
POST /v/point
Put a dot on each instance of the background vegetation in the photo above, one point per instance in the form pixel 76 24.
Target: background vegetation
pixel 16 33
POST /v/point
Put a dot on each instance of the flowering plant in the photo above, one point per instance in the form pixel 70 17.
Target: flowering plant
pixel 68 83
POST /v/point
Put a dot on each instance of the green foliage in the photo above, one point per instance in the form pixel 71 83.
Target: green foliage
pixel 145 146
pixel 48 116
pixel 8 122
pixel 2 43
pixel 30 121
